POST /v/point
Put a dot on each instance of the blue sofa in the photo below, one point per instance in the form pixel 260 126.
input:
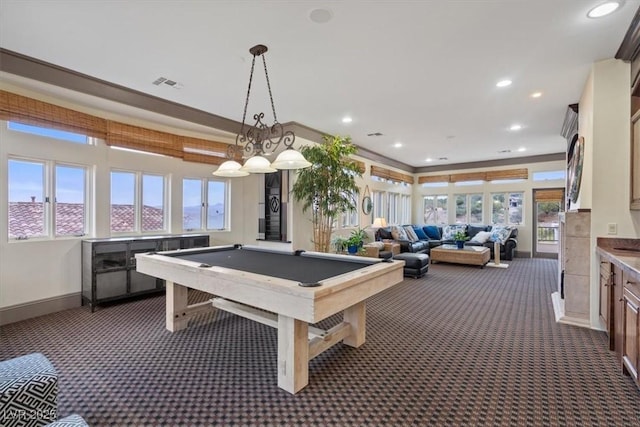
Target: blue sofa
pixel 430 236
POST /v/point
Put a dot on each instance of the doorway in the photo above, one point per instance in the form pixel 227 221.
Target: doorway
pixel 548 203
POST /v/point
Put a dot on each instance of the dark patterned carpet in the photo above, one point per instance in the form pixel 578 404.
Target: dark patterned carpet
pixel 462 346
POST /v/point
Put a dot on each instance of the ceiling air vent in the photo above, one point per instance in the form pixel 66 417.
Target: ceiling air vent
pixel 163 80
pixel 374 134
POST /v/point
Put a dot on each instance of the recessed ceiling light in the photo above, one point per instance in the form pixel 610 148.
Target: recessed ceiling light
pixel 536 94
pixel 428 159
pixel 320 16
pixel 397 145
pixel 521 149
pixel 603 9
pixel 504 83
pixel 347 120
pixel 515 127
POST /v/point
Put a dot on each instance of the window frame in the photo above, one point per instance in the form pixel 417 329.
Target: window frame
pixel 435 198
pixel 138 204
pixel 49 199
pixel 204 205
pixel 507 197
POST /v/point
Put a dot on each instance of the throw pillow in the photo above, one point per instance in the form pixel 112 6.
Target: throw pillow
pixel 432 232
pixel 420 233
pixel 472 230
pixel 481 237
pixel 385 234
pixel 449 230
pixel 500 233
pixel 398 233
pixel 410 233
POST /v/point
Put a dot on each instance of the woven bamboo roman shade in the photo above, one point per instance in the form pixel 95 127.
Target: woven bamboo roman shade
pixel 549 195
pixel 469 176
pixel 508 174
pixel 205 151
pixel 361 166
pixel 138 138
pixel 29 111
pixel 392 175
pixel 22 109
pixel 433 178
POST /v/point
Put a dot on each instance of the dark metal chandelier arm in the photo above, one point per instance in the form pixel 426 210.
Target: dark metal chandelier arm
pixel 246 101
pixel 266 74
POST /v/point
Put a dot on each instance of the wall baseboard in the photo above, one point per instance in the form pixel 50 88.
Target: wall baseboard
pixel 41 307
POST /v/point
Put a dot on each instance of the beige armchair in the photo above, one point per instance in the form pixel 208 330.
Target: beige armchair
pixel 382 249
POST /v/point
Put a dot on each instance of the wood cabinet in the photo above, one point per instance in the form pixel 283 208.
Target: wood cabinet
pixel 606 301
pixel 618 307
pixel 109 265
pixel 634 203
pixel 631 324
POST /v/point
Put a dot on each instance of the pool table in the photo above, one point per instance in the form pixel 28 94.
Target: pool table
pixel 285 290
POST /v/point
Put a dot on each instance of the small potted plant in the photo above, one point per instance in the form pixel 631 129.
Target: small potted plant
pixel 339 243
pixel 356 240
pixel 460 237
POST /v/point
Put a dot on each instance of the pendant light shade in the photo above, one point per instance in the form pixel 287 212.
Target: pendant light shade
pixel 230 169
pixel 290 159
pixel 257 164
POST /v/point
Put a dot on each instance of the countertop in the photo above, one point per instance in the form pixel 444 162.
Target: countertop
pixel 625 253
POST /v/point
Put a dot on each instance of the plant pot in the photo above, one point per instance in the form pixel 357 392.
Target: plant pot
pixel 460 244
pixel 352 249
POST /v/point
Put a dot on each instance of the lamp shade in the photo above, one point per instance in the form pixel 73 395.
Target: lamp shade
pixel 230 169
pixel 290 159
pixel 257 164
pixel 379 223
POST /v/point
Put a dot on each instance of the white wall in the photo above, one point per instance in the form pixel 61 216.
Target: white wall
pixel 525 230
pixel 604 122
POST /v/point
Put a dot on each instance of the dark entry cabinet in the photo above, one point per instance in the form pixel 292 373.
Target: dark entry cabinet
pixel 109 265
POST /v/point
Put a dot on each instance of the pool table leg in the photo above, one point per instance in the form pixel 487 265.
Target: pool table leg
pixel 356 316
pixel 293 354
pixel 176 303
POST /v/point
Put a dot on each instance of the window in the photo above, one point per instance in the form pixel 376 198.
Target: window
pixel 468 208
pixel 507 208
pixel 192 205
pixel 26 199
pixel 463 183
pixel 50 133
pixel 461 208
pixel 405 209
pixel 204 204
pixel 123 190
pixel 379 205
pixel 152 203
pixel 216 203
pixel 394 208
pixel 70 197
pixel 435 210
pixel 352 219
pixel 46 199
pixel 549 175
pixel 137 210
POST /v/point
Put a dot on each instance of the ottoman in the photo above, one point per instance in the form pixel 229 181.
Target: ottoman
pixel 415 265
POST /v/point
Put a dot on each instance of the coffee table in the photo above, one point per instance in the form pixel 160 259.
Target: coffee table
pixel 469 255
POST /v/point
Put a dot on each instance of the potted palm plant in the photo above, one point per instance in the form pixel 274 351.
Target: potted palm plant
pixel 327 186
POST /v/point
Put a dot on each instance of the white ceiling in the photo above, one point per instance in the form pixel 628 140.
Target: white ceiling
pixel 422 73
